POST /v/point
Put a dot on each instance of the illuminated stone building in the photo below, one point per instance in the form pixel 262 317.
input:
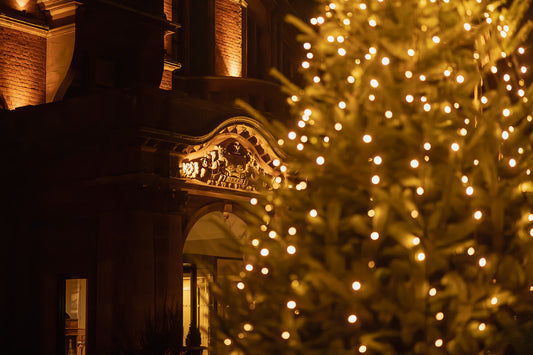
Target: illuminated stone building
pixel 123 156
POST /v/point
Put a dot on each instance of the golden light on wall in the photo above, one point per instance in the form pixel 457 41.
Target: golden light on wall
pixel 22 4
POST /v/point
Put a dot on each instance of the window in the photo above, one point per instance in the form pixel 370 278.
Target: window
pixel 74 309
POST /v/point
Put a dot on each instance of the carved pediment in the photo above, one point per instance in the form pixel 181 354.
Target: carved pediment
pixel 236 157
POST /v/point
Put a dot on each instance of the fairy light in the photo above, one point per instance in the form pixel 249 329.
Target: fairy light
pixel 415 241
pixel 494 69
pixel 320 20
pixel 292 135
pixel 415 214
pixel 388 114
pixel 374 235
pixel 455 147
pixel 420 256
pixel 320 160
pixel 409 98
pixel 469 190
pixel 342 105
pixel 414 163
pixel 512 163
pixel 482 327
pixel 494 300
pixel 346 21
pixel 460 79
pixel 438 343
pixel 291 305
pixel 482 262
pixel 307 45
pixel 362 349
pixel 285 335
pixel 432 292
pixel 340 39
pixel 240 285
pixel 248 327
pixel 371 213
pixel 467 26
pixel 385 61
pixel 253 201
pixel 375 179
pixel 292 231
pixel 272 234
pixel 249 267
pixel 313 213
pixel 377 160
pixel 408 74
pixel 419 191
pixel 427 146
pixel 310 55
pixel 265 271
pixel 374 83
pixel 372 50
pixel 227 341
pixel 471 251
pixel 305 64
pixel 352 318
pixel 316 79
pixel 367 138
pixel 264 252
pixel 439 316
pixel 356 285
pixel 342 52
pixel 255 242
pixel 372 23
pixel 506 112
pixel 371 97
pixel 427 107
pixel 410 52
pixel 506 77
pixel 478 215
pixel 338 126
pixel 291 249
pixel 435 39
pixel 350 79
pixel 422 77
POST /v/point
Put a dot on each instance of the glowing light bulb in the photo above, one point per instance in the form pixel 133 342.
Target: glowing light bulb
pixel 342 52
pixel 419 191
pixel 469 190
pixel 372 23
pixel 460 79
pixel 408 74
pixel 362 349
pixel 227 341
pixel 385 60
pixel 432 292
pixel 367 138
pixel 482 327
pixel 377 160
pixel 427 107
pixel 352 318
pixel 285 335
pixel 438 343
pixel 506 112
pixel 292 231
pixel 374 83
pixel 264 271
pixel 320 160
pixel 494 300
pixel 420 256
pixel 374 236
pixel 478 215
pixel 467 27
pixel 240 285
pixel 471 251
pixel 416 241
pixel 388 114
pixel 410 52
pixel 436 39
pixel 409 98
pixel 482 262
pixel 313 213
pixel 427 146
pixel 414 163
pixel 455 147
pixel 305 64
pixel 307 45
pixel 375 179
pixel 342 105
pixel 291 249
pixel 439 316
pixel 356 285
pixel 291 305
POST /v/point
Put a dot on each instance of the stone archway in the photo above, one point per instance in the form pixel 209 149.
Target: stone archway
pixel 210 247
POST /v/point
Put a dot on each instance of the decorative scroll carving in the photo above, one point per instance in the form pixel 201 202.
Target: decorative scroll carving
pixel 228 164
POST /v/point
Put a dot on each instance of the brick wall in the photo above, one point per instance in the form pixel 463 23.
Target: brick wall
pixel 228 38
pixel 22 68
pixel 167 9
pixel 166 80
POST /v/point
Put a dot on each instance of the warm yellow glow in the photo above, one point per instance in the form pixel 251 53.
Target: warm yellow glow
pixel 367 138
pixel 313 213
pixel 482 327
pixel 375 179
pixel 291 249
pixel 227 341
pixel 439 316
pixel 240 285
pixel 248 327
pixel 478 215
pixel 374 236
pixel 264 252
pixel 374 83
pixel 320 160
pixel 482 262
pixel 291 305
pixel 285 335
pixel 292 231
pixel 494 300
pixel 377 160
pixel 471 251
pixel 432 292
pixel 356 286
pixel 249 267
pixel 352 318
pixel 362 349
pixel 420 256
pixel 438 343
pixel 414 163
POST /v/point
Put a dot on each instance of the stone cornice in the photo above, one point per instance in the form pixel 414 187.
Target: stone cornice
pixel 58 9
pixel 23 26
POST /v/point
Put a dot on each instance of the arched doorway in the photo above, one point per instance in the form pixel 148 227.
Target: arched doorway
pixel 209 251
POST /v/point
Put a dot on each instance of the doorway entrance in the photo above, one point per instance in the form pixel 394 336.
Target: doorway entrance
pixel 211 246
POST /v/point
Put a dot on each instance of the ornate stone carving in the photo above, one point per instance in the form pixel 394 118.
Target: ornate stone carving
pixel 226 164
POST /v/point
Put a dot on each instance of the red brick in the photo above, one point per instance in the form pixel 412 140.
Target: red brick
pixel 228 38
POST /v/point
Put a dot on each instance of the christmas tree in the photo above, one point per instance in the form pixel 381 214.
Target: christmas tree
pixel 402 220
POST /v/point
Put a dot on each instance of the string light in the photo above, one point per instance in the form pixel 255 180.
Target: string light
pixel 356 285
pixel 352 318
